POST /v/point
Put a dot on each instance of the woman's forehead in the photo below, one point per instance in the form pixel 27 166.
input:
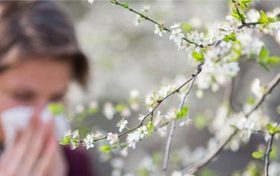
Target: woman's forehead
pixel 39 74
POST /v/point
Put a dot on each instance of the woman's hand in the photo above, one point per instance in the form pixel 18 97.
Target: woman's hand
pixel 34 152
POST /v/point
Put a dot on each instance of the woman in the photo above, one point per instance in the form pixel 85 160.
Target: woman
pixel 39 56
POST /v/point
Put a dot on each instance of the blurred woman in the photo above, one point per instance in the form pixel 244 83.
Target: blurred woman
pixel 39 57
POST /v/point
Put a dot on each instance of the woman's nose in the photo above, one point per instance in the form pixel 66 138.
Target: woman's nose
pixel 39 107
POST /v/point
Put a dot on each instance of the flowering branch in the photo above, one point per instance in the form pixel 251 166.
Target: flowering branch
pixel 151 112
pixel 192 170
pixel 173 125
pixel 267 154
pixel 153 21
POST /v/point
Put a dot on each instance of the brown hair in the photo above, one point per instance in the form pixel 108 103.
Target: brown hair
pixel 40 28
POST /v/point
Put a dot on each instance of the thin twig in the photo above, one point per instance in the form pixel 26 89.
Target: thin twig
pixel 173 124
pixel 267 155
pixel 195 168
pixel 153 21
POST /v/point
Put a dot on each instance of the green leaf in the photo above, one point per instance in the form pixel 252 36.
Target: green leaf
pixel 230 37
pixel 264 53
pixel 258 154
pixel 105 148
pixel 200 122
pixel 251 100
pixel 273 128
pixel 150 127
pixel 182 113
pixel 246 1
pixel 273 60
pixel 125 5
pixel 66 140
pixel 157 158
pixel 186 27
pixel 207 172
pixel 56 108
pixel 263 18
pixel 236 15
pixel 198 56
pixel 120 107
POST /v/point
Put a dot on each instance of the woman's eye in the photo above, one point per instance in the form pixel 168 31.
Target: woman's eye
pixel 58 98
pixel 24 97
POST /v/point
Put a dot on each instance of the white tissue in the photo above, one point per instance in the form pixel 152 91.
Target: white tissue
pixel 16 119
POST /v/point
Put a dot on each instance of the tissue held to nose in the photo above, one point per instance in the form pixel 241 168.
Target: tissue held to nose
pixel 16 119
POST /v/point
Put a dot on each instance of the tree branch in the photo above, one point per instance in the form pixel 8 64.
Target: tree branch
pixel 173 124
pixel 267 155
pixel 195 168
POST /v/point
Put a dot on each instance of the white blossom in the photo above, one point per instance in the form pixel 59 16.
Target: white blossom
pixel 159 30
pixel 251 45
pixel 134 137
pixel 91 1
pixel 93 105
pixel 253 15
pixel 274 169
pixel 176 173
pixel 214 74
pixel 122 124
pixel 113 138
pixel 97 134
pixel 134 94
pixel 141 117
pixel 162 131
pixel 171 114
pixel 88 141
pixel 125 112
pixel 117 163
pixel 185 122
pixel 109 110
pixel 80 108
pixel 157 118
pixel 177 35
pixel 152 100
pixel 257 89
pixel 124 152
pixel 139 18
pixel 142 131
pixel 164 91
pixel 74 138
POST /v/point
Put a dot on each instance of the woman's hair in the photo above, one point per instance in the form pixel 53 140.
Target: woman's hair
pixel 41 29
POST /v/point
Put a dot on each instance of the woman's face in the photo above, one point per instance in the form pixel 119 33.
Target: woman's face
pixel 35 83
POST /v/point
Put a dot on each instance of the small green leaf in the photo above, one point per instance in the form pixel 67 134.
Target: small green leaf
pixel 150 127
pixel 273 128
pixel 258 154
pixel 56 108
pixel 125 5
pixel 246 1
pixel 251 100
pixel 186 27
pixel 182 113
pixel 273 60
pixel 66 140
pixel 264 53
pixel 105 148
pixel 200 122
pixel 120 107
pixel 156 157
pixel 198 56
pixel 230 37
pixel 263 18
